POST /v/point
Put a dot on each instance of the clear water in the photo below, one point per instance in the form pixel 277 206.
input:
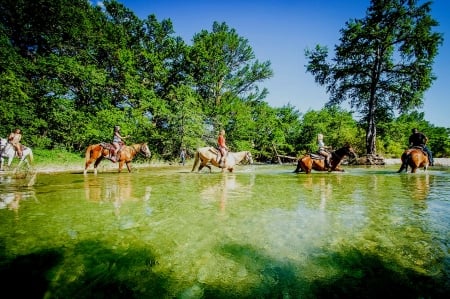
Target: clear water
pixel 262 232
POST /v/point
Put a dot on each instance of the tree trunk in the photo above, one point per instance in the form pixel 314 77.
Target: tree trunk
pixel 371 136
pixel 371 133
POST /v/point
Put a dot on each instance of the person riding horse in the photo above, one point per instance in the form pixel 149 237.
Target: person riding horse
pixel 223 148
pixel 118 143
pixel 14 138
pixel 418 139
pixel 323 150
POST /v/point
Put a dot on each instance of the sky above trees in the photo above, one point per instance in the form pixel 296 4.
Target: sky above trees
pixel 280 31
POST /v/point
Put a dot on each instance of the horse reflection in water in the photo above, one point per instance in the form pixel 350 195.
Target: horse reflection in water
pixel 115 190
pixel 321 185
pixel 12 200
pixel 225 189
pixel 418 186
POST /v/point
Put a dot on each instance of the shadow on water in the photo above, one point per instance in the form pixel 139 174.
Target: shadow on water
pixel 95 271
pixel 136 260
pixel 357 275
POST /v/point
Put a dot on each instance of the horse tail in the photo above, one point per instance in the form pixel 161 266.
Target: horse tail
pixel 87 155
pixel 196 160
pixel 406 156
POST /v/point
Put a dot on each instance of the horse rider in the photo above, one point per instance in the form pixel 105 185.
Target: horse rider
pixel 418 139
pixel 14 139
pixel 323 150
pixel 117 143
pixel 223 148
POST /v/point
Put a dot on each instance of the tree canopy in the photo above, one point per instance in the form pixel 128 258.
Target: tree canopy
pixel 70 71
pixel 383 63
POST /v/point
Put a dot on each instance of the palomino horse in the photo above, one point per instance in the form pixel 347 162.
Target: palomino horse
pixel 414 157
pixel 96 152
pixel 7 150
pixel 317 162
pixel 204 155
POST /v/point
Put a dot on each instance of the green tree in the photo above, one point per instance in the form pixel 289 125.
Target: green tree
pixel 336 124
pixel 223 67
pixel 382 64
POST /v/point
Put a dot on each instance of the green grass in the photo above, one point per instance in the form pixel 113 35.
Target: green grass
pixel 55 156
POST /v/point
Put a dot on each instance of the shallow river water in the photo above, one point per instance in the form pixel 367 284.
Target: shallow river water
pixel 260 232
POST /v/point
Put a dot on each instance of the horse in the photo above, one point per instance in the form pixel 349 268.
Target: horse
pixel 205 155
pixel 317 162
pixel 96 152
pixel 414 157
pixel 7 150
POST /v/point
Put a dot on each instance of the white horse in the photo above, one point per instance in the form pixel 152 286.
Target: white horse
pixel 205 155
pixel 7 150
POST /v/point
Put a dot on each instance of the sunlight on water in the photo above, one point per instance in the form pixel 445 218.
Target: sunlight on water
pixel 259 232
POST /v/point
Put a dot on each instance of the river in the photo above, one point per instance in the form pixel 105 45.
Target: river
pixel 262 231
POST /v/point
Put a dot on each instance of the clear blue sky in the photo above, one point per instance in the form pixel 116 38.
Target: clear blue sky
pixel 280 31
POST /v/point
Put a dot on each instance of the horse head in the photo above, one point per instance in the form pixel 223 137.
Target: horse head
pixel 249 158
pixel 349 151
pixel 144 150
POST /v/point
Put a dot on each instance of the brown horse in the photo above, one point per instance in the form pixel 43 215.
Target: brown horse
pixel 96 152
pixel 205 155
pixel 414 157
pixel 317 162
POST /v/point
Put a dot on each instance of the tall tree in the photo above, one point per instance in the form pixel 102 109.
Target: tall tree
pixel 224 68
pixel 383 63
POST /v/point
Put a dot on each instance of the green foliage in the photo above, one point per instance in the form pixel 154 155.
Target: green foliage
pixel 70 71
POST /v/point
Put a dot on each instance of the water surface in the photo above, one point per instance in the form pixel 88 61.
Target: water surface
pixel 262 231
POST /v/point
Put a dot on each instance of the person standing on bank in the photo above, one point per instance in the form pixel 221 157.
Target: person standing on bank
pixel 117 142
pixel 14 138
pixel 323 150
pixel 183 156
pixel 418 139
pixel 223 148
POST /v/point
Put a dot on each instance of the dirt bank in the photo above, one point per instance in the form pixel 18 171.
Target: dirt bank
pixel 437 161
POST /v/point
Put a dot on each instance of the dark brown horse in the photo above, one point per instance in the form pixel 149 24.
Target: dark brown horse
pixel 414 157
pixel 96 152
pixel 317 162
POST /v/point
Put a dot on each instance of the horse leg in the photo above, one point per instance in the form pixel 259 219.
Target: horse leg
pixel 298 168
pixel 307 166
pixel 128 166
pixel 97 161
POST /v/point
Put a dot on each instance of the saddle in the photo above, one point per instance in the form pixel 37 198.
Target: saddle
pixel 110 147
pixel 316 156
pixel 417 147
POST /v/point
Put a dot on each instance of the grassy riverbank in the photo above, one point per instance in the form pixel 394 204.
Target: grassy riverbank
pixel 61 160
pixel 46 161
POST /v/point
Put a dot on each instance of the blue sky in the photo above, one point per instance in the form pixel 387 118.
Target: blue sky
pixel 280 31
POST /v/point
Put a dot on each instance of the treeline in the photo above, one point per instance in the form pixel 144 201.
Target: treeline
pixel 71 71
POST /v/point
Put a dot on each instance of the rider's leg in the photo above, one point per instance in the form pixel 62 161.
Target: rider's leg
pixel 19 150
pixel 430 155
pixel 114 156
pixel 220 156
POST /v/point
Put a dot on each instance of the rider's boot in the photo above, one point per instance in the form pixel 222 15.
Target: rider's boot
pixel 327 164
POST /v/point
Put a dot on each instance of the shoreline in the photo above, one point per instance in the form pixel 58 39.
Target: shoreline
pixel 113 167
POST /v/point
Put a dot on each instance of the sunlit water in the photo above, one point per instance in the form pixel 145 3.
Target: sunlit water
pixel 262 231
